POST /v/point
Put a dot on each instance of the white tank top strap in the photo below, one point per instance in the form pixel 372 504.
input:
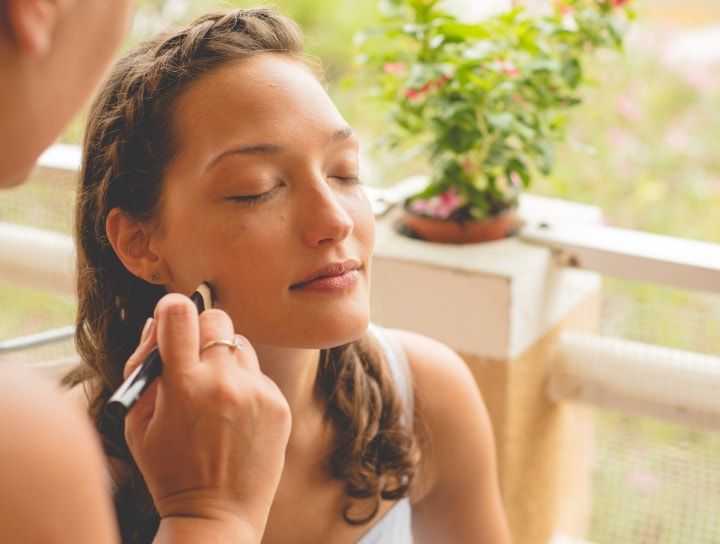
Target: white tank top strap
pixel 398 364
pixel 395 527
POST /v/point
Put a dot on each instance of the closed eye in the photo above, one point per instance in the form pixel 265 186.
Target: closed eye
pixel 255 199
pixel 349 180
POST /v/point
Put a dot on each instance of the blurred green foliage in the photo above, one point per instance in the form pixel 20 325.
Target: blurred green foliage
pixel 484 100
pixel 648 142
pixel 643 146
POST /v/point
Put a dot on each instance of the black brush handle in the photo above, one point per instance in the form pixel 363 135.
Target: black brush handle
pixel 137 383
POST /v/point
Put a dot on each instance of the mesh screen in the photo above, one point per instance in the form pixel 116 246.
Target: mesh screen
pixel 655 482
pixel 47 203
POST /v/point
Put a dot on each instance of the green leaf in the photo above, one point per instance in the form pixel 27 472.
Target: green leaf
pixel 572 73
pixel 519 167
pixel 436 41
pixel 454 30
pixel 483 49
pixel 433 189
pixel 545 156
pixel 543 65
pixel 500 121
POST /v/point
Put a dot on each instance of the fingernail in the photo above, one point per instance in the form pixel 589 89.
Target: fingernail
pixel 147 329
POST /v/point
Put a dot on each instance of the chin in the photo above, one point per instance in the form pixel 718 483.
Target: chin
pixel 325 331
pixel 343 333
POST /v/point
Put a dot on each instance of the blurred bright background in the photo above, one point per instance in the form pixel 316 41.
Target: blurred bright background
pixel 644 147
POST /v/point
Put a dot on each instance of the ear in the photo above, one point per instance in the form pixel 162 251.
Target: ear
pixel 32 24
pixel 131 241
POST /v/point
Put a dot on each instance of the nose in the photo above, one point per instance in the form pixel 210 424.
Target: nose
pixel 327 219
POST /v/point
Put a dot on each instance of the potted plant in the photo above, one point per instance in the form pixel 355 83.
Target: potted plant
pixel 484 101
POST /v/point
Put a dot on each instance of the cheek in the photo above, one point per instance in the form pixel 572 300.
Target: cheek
pixel 247 250
pixel 364 222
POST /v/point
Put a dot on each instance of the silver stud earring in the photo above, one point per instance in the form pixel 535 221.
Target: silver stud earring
pixel 154 276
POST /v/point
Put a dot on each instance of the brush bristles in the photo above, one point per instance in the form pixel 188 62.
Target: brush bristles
pixel 203 296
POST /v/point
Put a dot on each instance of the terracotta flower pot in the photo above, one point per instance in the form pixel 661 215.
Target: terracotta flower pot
pixel 447 231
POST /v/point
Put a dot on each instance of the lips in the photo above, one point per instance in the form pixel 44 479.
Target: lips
pixel 331 270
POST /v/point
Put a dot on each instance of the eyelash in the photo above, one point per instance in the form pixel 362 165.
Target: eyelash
pixel 349 181
pixel 256 199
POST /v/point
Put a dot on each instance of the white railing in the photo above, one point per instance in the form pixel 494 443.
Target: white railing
pixel 37 258
pixel 636 378
pixel 632 377
pixel 631 255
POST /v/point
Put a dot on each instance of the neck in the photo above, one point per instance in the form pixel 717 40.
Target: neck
pixel 294 371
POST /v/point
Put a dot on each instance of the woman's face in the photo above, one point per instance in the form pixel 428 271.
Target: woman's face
pixel 261 198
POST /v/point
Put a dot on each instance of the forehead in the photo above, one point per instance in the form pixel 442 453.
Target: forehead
pixel 269 96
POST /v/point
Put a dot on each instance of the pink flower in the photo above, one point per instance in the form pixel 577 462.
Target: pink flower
pixel 394 68
pixel 420 206
pixel 677 138
pixel 440 206
pixel 629 108
pixel 714 186
pixel 615 3
pixel 507 67
pixel 620 140
pixel 701 76
pixel 563 8
pixel 411 94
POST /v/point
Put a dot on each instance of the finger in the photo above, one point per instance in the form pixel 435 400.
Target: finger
pixel 246 354
pixel 215 325
pixel 147 342
pixel 138 418
pixel 177 334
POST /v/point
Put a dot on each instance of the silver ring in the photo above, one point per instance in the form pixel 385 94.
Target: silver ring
pixel 233 344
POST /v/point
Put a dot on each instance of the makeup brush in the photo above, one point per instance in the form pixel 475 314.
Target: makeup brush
pixel 145 374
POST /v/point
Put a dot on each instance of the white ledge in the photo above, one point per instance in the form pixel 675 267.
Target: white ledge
pixel 492 299
pixel 633 255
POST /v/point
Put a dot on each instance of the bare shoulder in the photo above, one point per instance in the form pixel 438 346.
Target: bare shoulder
pixel 39 413
pixel 50 463
pixel 431 360
pixel 457 498
pixel 449 405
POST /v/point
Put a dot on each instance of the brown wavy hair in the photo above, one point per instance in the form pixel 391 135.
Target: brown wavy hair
pixel 128 145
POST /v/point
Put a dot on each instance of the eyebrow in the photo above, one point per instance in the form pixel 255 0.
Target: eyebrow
pixel 272 149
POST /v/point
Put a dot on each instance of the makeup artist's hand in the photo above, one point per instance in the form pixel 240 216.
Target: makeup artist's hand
pixel 209 436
